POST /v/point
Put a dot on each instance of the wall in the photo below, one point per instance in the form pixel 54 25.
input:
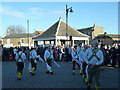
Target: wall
pixel 15 41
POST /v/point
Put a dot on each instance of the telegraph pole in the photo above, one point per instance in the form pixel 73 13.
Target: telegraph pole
pixel 28 31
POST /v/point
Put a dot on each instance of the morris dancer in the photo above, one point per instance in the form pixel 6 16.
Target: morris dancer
pixel 79 48
pixel 83 58
pixel 75 59
pixel 94 60
pixel 33 61
pixel 48 57
pixel 20 59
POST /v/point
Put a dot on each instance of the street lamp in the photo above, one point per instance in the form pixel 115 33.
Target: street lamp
pixel 67 10
pixel 28 31
pixel 0 43
pixel 104 37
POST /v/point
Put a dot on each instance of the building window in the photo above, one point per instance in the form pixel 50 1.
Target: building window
pixel 8 41
pixel 22 41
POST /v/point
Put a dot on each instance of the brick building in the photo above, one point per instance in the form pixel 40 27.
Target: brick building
pixel 18 40
pixel 93 31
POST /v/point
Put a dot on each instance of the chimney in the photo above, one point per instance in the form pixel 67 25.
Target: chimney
pixel 8 32
pixel 60 18
pixel 94 25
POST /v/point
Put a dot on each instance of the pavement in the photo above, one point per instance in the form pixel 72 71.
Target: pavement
pixel 62 77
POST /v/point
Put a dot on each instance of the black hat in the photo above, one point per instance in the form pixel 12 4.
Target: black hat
pixel 75 46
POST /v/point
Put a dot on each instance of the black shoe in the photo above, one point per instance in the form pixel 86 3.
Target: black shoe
pixel 88 87
pixel 32 73
pixel 73 73
pixel 18 78
pixel 51 73
pixel 47 72
pixel 80 73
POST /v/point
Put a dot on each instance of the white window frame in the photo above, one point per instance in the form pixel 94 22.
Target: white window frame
pixel 8 41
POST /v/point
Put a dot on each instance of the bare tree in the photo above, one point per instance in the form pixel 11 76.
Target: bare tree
pixel 12 29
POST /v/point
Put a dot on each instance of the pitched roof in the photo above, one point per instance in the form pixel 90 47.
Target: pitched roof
pixel 71 31
pixel 50 32
pixel 59 29
pixel 25 35
pixel 88 28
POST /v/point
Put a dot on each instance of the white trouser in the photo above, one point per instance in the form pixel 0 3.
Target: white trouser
pixel 81 66
pixel 86 70
pixel 60 56
pixel 48 67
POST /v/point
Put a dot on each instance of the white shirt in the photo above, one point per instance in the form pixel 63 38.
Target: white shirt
pixel 33 54
pixel 83 55
pixel 48 54
pixel 94 60
pixel 78 51
pixel 15 50
pixel 23 57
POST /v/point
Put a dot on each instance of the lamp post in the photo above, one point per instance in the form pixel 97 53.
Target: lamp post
pixel 105 37
pixel 28 31
pixel 67 10
pixel 0 43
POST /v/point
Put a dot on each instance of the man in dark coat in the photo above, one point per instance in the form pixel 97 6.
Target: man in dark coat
pixel 118 55
pixel 5 55
pixel 113 56
pixel 40 51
